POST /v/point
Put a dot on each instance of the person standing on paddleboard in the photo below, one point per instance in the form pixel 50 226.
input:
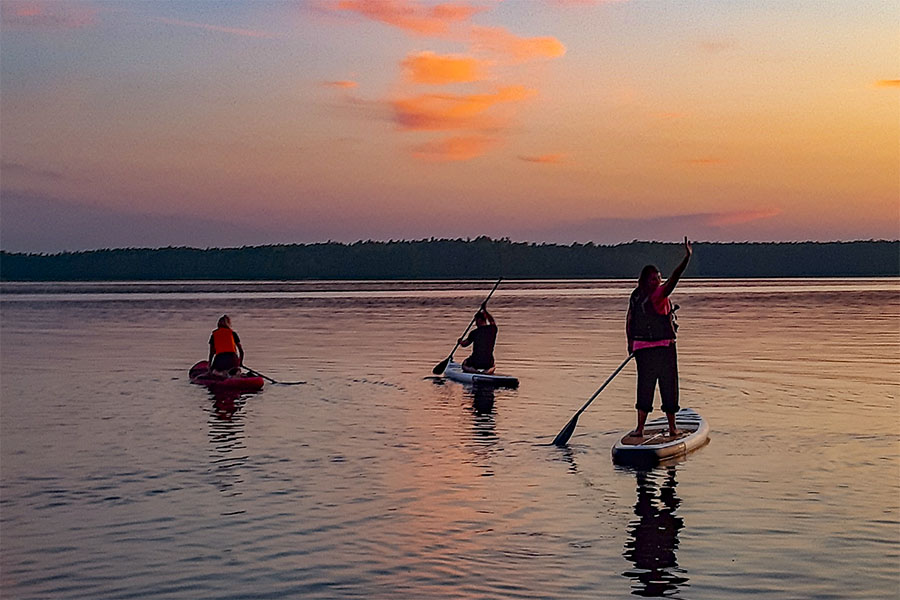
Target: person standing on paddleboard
pixel 482 340
pixel 225 351
pixel 650 328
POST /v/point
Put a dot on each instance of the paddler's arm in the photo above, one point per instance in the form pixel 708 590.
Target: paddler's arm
pixel 464 342
pixel 237 342
pixel 628 335
pixel 212 351
pixel 488 315
pixel 672 281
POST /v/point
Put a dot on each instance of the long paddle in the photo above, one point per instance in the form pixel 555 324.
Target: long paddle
pixel 439 368
pixel 563 437
pixel 267 378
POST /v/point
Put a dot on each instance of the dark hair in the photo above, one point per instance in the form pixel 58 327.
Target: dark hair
pixel 646 272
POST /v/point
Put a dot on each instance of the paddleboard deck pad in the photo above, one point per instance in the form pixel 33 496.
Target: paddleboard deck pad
pixel 242 383
pixel 455 372
pixel 656 445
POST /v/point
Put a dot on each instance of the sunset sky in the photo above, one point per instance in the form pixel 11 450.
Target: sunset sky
pixel 235 123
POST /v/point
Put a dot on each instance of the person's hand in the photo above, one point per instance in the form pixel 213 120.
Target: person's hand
pixel 459 341
pixel 688 250
pixel 484 306
pixel 630 347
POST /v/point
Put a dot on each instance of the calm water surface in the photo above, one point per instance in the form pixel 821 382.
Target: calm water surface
pixel 375 480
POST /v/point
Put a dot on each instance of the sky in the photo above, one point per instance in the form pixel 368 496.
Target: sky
pixel 221 124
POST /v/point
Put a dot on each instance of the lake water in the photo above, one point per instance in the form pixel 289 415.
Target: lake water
pixel 376 480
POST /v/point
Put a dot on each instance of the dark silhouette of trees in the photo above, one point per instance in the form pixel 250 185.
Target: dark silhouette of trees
pixel 479 258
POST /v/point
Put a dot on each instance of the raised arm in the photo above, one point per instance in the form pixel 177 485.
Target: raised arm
pixel 487 315
pixel 672 281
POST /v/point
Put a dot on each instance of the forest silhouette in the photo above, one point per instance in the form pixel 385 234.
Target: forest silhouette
pixel 479 258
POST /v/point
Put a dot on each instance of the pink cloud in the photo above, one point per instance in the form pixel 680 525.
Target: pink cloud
pixel 519 49
pixel 46 16
pixel 716 46
pixel 739 217
pixel 454 148
pixel 218 28
pixel 410 15
pixel 343 84
pixel 437 69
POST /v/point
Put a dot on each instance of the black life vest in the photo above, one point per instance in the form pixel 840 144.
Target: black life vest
pixel 647 325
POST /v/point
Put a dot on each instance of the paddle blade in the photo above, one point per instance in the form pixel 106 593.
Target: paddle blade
pixel 563 436
pixel 441 366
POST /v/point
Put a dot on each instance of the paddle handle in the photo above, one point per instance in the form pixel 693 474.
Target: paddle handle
pixel 473 319
pixel 605 383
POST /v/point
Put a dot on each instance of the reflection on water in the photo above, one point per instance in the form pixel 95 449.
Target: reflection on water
pixel 654 535
pixel 226 434
pixel 484 435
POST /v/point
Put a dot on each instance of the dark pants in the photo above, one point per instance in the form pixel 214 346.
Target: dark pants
pixel 226 361
pixel 654 365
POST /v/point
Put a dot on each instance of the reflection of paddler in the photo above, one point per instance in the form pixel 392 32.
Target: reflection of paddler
pixel 226 355
pixel 482 340
pixel 654 536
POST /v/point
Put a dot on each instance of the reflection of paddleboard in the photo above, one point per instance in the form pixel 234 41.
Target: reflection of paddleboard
pixel 656 445
pixel 455 372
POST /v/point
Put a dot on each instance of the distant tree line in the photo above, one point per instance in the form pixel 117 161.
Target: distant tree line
pixel 480 258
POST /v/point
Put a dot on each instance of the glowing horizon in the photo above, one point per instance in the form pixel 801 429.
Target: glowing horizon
pixel 378 119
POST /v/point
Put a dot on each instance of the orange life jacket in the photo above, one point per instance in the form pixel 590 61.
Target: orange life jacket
pixel 223 341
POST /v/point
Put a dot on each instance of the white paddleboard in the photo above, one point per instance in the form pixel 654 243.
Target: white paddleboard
pixel 657 445
pixel 455 372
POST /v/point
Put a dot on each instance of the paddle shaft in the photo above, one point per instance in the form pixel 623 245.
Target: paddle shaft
pixel 605 383
pixel 562 438
pixel 270 380
pixel 472 322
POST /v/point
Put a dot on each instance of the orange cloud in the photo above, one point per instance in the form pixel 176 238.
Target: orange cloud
pixel 887 83
pixel 440 112
pixel 547 159
pixel 740 217
pixel 436 69
pixel 520 49
pixel 343 83
pixel 411 15
pixel 704 162
pixel 219 28
pixel 454 148
pixel 46 15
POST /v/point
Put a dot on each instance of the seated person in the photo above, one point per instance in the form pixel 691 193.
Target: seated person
pixel 482 340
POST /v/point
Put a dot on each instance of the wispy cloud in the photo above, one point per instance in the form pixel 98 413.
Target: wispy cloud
pixel 517 48
pixel 410 15
pixel 439 69
pixel 740 217
pixel 716 46
pixel 218 28
pixel 46 16
pixel 454 148
pixel 10 168
pixel 440 112
pixel 341 83
pixel 546 159
pixel 887 83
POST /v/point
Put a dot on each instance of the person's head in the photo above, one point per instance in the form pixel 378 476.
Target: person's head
pixel 480 319
pixel 225 321
pixel 650 278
